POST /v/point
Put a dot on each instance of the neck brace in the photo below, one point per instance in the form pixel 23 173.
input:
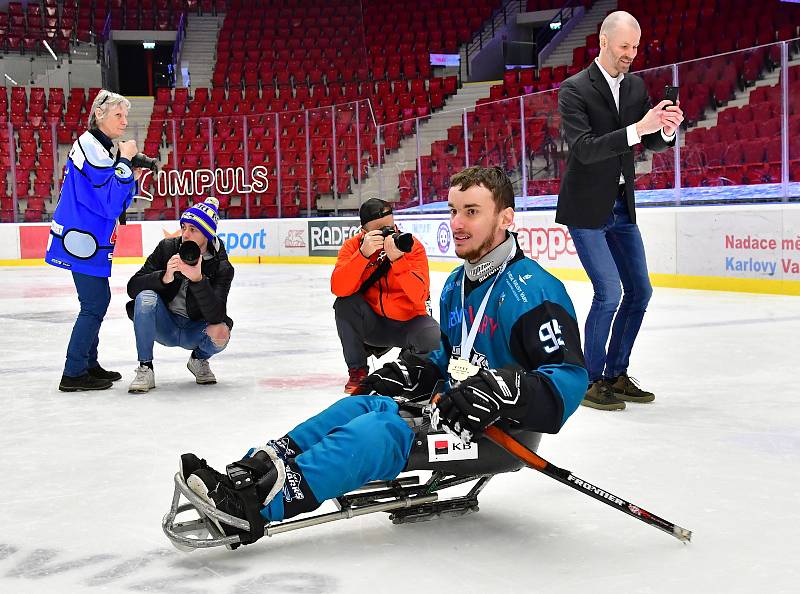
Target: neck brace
pixel 490 263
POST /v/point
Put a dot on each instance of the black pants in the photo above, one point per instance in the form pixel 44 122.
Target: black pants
pixel 358 325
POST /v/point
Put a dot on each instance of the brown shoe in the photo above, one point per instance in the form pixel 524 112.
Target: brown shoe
pixel 600 396
pixel 627 388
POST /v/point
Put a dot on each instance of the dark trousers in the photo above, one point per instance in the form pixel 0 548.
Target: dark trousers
pixel 94 294
pixel 611 255
pixel 358 325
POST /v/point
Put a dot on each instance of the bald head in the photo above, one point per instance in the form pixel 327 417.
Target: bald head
pixel 616 20
pixel 619 42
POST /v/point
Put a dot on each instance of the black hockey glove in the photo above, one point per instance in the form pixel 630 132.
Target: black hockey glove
pixel 398 378
pixel 479 401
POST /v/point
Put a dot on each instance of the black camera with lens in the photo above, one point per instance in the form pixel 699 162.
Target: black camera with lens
pixel 145 162
pixel 403 241
pixel 189 252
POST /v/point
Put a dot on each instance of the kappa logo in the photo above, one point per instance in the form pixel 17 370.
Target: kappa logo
pixel 292 489
pixel 295 239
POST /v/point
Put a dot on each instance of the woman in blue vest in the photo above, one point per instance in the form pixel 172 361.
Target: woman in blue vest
pixel 98 187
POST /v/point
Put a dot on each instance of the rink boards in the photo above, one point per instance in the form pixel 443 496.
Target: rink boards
pixel 753 248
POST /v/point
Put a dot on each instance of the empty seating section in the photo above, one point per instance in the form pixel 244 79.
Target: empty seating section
pixel 723 25
pixel 494 138
pixel 301 99
pixel 324 57
pixel 744 147
pixel 24 27
pixel 319 53
pixel 221 129
pixel 707 85
pixel 27 166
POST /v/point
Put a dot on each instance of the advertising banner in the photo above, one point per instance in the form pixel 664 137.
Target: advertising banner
pixel 433 233
pixel 327 236
pixel 735 243
pixel 293 237
pixel 33 240
pixel 9 242
pixel 544 240
pixel 243 237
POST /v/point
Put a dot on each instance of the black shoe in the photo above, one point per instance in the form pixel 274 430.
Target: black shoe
pixel 101 373
pixel 600 396
pixel 234 495
pixel 83 383
pixel 626 388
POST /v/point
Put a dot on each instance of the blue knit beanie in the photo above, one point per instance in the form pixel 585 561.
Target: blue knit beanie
pixel 204 216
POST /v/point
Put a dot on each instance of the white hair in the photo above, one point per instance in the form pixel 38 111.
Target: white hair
pixel 617 18
pixel 105 102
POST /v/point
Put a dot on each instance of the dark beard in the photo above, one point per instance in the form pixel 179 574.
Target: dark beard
pixel 478 253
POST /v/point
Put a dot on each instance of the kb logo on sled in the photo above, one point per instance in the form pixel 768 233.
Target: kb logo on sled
pixel 443 446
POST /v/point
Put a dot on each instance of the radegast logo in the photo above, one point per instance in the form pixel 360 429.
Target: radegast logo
pixel 327 237
pixel 443 237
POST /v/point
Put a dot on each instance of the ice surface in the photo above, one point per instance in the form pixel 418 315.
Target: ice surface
pixel 87 477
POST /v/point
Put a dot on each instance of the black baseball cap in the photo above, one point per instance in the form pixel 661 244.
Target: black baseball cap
pixel 374 209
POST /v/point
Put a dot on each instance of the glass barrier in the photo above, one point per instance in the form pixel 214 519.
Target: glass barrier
pixel 544 145
pixel 265 156
pixel 259 164
pixel 790 111
pixel 656 170
pixel 730 148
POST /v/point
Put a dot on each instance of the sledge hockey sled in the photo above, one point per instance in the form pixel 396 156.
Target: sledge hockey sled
pixel 407 499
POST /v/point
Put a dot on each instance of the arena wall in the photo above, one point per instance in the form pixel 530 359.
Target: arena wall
pixel 753 248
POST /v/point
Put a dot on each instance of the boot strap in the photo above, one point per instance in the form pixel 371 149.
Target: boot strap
pixel 241 474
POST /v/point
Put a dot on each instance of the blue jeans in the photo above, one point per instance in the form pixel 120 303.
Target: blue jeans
pixel 611 254
pixel 154 322
pixel 94 295
pixel 356 440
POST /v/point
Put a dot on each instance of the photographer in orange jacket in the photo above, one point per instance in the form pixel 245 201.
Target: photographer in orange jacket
pixel 382 285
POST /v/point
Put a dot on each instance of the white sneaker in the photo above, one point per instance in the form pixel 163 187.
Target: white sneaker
pixel 144 381
pixel 201 370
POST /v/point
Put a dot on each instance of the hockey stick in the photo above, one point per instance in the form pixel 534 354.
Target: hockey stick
pixel 533 460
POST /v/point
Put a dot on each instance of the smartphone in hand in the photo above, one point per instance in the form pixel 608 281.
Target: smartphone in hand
pixel 671 94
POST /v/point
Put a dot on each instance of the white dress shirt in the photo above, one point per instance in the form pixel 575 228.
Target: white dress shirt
pixel 633 137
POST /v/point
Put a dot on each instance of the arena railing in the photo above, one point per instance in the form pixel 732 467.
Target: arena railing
pixel 741 141
pixel 740 145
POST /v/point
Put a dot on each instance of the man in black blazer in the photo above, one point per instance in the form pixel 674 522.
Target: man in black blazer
pixel 605 112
